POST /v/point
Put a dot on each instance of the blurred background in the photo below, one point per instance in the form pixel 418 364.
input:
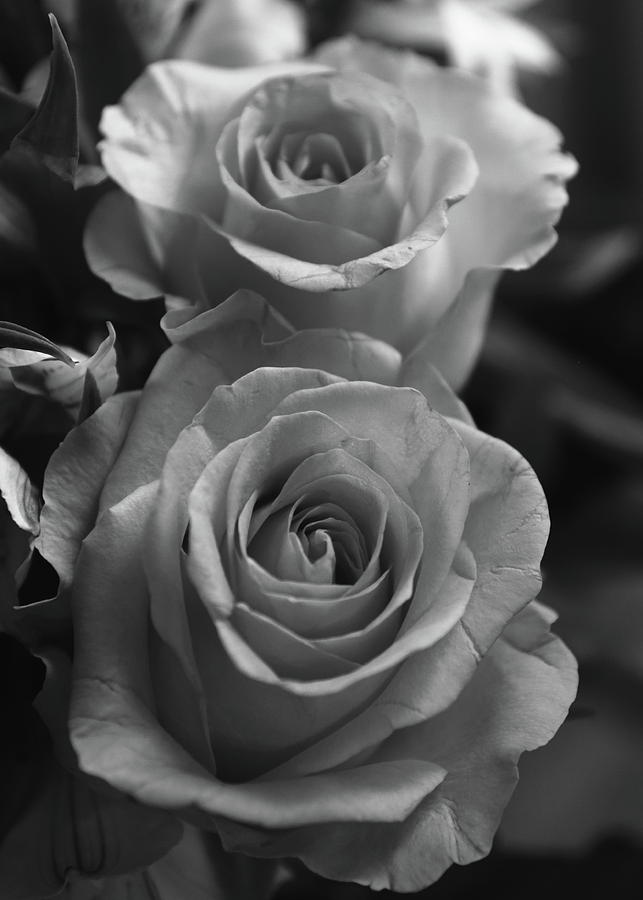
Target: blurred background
pixel 559 377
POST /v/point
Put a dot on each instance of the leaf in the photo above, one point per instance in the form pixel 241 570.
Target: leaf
pixel 79 389
pixel 52 132
pixel 18 337
pixel 25 741
pixel 17 228
pixel 15 112
pixel 71 823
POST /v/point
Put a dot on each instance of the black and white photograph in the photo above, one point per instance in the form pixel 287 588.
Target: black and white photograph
pixel 321 449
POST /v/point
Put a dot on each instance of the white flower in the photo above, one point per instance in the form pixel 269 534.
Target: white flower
pixel 481 36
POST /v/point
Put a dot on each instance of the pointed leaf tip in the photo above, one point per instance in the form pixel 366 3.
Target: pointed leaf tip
pixel 17 337
pixel 51 134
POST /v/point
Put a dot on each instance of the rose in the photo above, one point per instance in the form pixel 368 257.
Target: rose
pixel 371 729
pixel 328 185
pixel 481 36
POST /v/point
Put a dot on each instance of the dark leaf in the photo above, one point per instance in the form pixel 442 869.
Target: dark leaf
pixel 17 337
pixel 15 112
pixel 52 133
pixel 25 740
pixel 17 227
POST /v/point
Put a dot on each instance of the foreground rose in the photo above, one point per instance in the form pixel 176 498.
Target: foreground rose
pixel 328 186
pixel 303 616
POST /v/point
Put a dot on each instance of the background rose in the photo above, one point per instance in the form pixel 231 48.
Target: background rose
pixel 480 36
pixel 382 753
pixel 242 32
pixel 325 185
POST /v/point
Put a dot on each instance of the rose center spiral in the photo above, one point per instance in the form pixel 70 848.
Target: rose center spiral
pixel 320 543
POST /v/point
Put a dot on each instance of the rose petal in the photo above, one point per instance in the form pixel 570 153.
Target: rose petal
pixel 516 701
pixel 334 480
pixel 451 348
pixel 117 250
pixel 183 381
pixel 177 388
pixel 287 654
pixel 508 218
pixel 245 332
pixel 274 230
pixel 309 548
pixel 399 546
pixel 301 613
pixel 297 436
pixel 369 197
pixel 399 422
pixel 244 216
pixel 426 455
pixel 219 423
pixel 127 747
pixel 507 529
pixel 159 141
pixel 452 176
pixel 232 476
pixel 283 721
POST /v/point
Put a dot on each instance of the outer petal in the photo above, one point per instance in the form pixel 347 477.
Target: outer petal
pixel 507 530
pixel 159 141
pixel 516 701
pixel 419 372
pixel 508 219
pixel 245 333
pixel 454 342
pixel 117 250
pixel 241 335
pixel 125 745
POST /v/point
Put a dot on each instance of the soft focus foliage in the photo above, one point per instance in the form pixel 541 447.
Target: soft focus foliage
pixel 480 36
